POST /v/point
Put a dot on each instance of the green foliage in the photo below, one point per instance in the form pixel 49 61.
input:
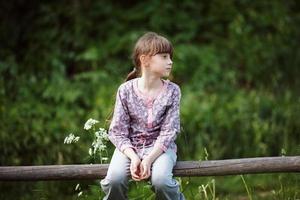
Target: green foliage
pixel 237 63
pixel 261 123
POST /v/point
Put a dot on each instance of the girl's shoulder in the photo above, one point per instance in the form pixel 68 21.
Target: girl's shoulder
pixel 126 85
pixel 172 86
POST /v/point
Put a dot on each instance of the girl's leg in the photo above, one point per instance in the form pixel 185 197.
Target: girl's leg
pixel 115 184
pixel 163 183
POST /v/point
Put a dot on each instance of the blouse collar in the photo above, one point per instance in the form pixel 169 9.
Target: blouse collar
pixel 145 96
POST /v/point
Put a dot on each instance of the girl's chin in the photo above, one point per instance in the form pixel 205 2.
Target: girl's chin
pixel 167 73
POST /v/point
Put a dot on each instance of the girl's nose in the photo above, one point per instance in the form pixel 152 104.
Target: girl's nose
pixel 170 62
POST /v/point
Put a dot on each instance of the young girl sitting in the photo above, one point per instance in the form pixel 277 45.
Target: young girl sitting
pixel 145 124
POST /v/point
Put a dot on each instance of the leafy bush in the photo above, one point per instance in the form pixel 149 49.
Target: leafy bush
pixel 237 63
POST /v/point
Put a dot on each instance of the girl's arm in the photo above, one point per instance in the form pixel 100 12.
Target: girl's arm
pixel 119 131
pixel 130 153
pixel 146 163
pixel 171 123
pixel 134 164
pixel 156 151
pixel 119 127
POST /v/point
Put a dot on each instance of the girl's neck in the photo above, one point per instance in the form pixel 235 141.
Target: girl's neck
pixel 149 83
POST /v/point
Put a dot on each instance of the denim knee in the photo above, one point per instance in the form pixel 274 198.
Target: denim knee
pixel 111 182
pixel 114 188
pixel 115 180
pixel 161 182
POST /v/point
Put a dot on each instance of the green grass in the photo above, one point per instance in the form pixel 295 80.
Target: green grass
pixel 260 187
pixel 254 187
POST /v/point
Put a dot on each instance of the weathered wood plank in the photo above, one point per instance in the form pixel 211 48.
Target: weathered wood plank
pixel 182 168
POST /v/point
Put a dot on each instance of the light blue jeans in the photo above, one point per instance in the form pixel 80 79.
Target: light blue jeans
pixel 115 184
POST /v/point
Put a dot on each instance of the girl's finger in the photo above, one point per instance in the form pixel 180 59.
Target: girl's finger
pixel 141 169
pixel 135 179
pixel 134 168
pixel 149 172
pixel 134 176
pixel 145 173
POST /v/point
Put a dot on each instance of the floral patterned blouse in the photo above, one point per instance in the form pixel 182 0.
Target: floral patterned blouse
pixel 140 121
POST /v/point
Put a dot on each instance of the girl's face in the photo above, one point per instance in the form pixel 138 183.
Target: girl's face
pixel 160 64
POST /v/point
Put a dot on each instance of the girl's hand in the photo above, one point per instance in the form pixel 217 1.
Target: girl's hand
pixel 145 168
pixel 135 169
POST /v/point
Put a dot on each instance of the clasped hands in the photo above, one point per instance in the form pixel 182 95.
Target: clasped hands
pixel 140 169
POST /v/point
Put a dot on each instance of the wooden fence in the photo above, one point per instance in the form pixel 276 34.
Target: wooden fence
pixel 284 164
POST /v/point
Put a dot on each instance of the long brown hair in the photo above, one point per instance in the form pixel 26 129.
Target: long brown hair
pixel 150 44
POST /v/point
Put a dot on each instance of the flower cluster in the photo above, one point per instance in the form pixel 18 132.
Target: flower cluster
pixel 99 142
pixel 90 123
pixel 98 145
pixel 71 138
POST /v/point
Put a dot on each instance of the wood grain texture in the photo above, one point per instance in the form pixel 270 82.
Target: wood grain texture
pixel 182 169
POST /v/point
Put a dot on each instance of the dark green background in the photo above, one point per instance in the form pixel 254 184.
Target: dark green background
pixel 237 63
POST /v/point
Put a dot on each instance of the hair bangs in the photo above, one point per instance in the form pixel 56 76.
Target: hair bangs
pixel 161 45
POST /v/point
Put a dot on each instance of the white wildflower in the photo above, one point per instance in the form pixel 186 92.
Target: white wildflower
pixel 97 134
pixel 90 151
pixel 71 138
pixel 98 145
pixel 102 130
pixel 99 142
pixel 79 194
pixel 104 158
pixel 89 123
pixel 102 134
pixel 77 186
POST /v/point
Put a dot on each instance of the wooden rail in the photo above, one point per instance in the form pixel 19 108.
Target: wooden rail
pixel 182 168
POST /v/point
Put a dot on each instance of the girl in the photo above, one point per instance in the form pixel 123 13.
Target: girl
pixel 145 124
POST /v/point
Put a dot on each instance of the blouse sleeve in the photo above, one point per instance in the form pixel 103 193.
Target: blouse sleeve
pixel 119 127
pixel 171 124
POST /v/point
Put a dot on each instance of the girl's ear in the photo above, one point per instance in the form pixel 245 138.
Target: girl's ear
pixel 144 59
